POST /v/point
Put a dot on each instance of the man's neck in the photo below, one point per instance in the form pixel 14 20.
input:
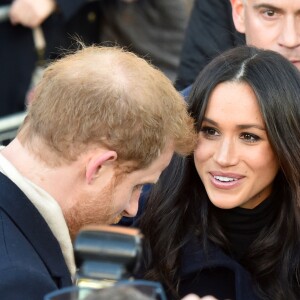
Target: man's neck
pixel 59 182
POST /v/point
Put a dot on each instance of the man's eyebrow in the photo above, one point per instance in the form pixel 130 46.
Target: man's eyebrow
pixel 240 126
pixel 268 6
pixel 272 7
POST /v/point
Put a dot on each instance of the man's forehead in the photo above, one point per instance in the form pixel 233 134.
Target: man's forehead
pixel 280 4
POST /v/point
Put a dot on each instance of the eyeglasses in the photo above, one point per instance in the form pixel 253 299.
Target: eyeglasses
pixel 121 290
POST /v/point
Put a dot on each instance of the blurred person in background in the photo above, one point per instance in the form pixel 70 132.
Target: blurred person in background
pixel 153 29
pixel 55 21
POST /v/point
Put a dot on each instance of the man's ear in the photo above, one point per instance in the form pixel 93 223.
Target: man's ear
pixel 238 14
pixel 96 163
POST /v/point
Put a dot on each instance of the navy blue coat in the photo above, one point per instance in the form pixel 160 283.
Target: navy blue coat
pixel 216 274
pixel 31 261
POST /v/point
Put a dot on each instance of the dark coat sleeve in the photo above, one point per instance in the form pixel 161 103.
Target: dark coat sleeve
pixel 210 31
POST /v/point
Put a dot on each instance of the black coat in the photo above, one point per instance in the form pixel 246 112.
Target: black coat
pixel 210 32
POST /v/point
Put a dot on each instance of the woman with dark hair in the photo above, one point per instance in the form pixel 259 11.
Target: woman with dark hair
pixel 226 221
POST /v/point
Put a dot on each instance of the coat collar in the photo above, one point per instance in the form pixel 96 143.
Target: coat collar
pixel 194 260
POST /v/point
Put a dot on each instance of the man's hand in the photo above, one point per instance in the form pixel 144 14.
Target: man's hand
pixel 31 13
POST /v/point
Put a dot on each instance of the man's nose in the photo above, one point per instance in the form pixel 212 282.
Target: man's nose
pixel 290 32
pixel 132 208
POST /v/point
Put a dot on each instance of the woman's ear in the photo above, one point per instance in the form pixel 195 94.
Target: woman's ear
pixel 97 162
pixel 238 14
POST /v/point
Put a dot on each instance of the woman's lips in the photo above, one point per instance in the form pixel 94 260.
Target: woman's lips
pixel 225 181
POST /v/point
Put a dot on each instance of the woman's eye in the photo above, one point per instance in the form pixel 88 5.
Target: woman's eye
pixel 209 131
pixel 250 137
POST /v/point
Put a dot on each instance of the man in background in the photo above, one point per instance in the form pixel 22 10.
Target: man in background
pixel 268 24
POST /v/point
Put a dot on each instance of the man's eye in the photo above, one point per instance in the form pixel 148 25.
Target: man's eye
pixel 269 13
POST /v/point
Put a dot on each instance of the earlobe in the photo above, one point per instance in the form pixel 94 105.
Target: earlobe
pixel 238 14
pixel 97 162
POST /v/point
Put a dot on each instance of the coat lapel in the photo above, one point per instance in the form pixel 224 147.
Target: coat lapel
pixel 30 222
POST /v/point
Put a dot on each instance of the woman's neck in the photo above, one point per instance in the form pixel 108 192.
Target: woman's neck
pixel 242 226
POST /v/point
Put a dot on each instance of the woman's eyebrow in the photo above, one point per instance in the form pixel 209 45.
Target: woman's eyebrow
pixel 240 126
pixel 205 119
pixel 247 126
